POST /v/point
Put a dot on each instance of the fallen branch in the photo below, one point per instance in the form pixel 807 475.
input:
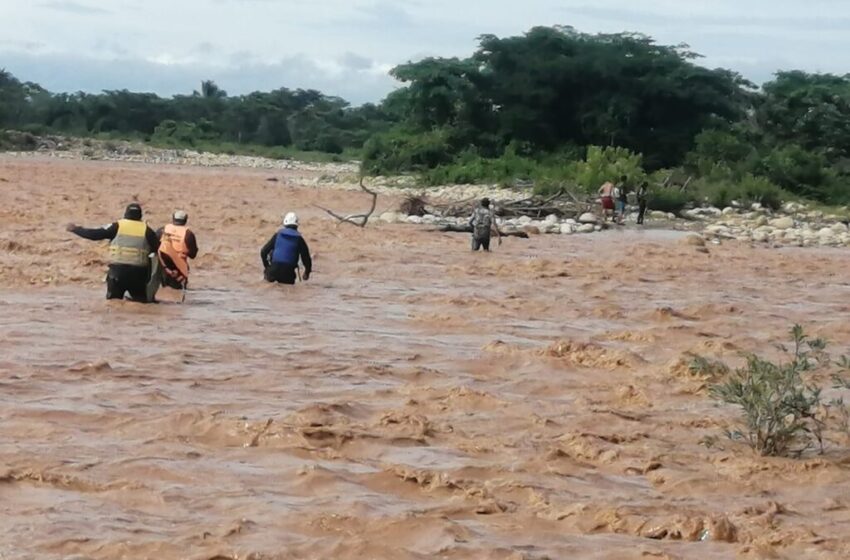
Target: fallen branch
pixel 359 220
pixel 468 229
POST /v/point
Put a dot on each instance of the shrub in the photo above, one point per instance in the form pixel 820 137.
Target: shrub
pixel 782 414
pixel 669 199
pixel 609 164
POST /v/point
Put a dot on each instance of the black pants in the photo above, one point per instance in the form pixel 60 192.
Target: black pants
pixel 280 273
pixel 123 278
pixel 641 210
pixel 481 243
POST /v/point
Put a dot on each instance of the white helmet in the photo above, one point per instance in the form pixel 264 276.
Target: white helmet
pixel 291 219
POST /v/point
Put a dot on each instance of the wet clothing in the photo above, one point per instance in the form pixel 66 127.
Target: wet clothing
pixel 281 254
pixel 130 241
pixel 482 221
pixel 280 273
pixel 122 278
pixel 177 245
pixel 483 243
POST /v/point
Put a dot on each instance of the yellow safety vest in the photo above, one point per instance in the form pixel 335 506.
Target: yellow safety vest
pixel 130 245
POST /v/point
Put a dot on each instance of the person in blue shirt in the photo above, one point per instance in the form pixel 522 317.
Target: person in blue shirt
pixel 283 251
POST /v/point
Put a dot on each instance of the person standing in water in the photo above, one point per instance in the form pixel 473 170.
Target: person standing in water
pixel 177 245
pixel 131 244
pixel 483 221
pixel 280 255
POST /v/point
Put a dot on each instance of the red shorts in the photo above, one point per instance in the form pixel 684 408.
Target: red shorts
pixel 607 203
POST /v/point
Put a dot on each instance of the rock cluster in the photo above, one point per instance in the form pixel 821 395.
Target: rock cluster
pixel 794 224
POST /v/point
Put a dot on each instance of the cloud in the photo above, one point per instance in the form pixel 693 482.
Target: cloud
pixel 73 7
pixel 68 73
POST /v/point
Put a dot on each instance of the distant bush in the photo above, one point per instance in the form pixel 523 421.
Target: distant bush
pixel 748 190
pixel 671 200
pixel 609 164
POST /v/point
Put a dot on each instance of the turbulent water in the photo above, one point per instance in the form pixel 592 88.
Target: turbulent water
pixel 411 401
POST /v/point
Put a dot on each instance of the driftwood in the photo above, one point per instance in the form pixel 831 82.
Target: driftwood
pixel 359 220
pixel 468 229
pixel 563 204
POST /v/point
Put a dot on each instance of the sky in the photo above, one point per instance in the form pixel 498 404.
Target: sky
pixel 346 47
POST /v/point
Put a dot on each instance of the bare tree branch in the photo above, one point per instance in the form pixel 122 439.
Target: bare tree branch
pixel 359 220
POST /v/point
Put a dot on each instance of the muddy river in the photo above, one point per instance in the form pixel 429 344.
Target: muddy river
pixel 411 401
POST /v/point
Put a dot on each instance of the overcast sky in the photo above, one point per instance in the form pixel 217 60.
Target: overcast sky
pixel 345 47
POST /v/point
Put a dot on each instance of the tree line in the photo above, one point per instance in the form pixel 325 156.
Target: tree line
pixel 553 105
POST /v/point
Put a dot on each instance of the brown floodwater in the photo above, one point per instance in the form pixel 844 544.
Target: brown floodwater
pixel 411 401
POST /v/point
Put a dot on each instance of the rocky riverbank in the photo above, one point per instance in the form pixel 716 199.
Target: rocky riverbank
pixel 794 224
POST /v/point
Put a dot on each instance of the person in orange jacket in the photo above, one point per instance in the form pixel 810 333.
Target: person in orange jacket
pixel 177 245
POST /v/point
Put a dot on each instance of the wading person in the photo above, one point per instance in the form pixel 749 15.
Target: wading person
pixel 641 200
pixel 280 255
pixel 131 244
pixel 177 244
pixel 483 221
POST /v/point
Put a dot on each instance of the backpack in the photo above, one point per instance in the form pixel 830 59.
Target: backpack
pixel 483 222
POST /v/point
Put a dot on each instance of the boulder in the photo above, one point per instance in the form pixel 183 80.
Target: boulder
pixel 761 236
pixel 551 219
pixel 585 228
pixel 588 218
pixel 839 228
pixel 570 221
pixel 523 220
pixel 782 223
pixel 658 215
pixel 414 219
pixel 390 217
pixel 567 229
pixel 728 210
pixel 694 239
pixel 531 230
pixel 761 221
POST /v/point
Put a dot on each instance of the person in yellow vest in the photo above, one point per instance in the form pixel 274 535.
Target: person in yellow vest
pixel 177 244
pixel 131 244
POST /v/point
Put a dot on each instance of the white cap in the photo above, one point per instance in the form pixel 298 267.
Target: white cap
pixel 179 216
pixel 290 219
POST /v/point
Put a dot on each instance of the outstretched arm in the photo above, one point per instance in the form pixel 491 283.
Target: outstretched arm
pixel 94 234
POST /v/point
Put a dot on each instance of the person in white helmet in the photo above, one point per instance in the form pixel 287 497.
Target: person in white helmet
pixel 177 245
pixel 280 255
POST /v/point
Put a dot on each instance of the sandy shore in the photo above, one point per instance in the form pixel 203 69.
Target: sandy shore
pixel 411 401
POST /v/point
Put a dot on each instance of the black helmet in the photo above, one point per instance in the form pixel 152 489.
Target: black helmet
pixel 133 211
pixel 485 202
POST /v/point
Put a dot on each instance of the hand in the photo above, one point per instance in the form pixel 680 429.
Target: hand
pixel 70 227
pixel 306 275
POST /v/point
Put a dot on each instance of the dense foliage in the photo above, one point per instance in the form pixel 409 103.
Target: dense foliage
pixel 553 106
pixel 303 119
